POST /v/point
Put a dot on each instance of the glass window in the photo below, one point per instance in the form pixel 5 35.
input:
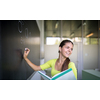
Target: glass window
pixel 72 29
pixel 90 44
pixel 52 32
pixel 90 32
pixel 52 40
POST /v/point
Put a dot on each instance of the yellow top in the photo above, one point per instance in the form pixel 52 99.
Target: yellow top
pixel 51 63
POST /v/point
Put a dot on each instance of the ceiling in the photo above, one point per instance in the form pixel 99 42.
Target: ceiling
pixel 71 28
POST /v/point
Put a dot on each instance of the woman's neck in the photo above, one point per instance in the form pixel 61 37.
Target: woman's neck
pixel 61 58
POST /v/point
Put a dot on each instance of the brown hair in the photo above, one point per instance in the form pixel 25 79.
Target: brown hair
pixel 66 62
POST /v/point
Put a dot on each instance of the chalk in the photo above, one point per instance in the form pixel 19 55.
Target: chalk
pixel 26 49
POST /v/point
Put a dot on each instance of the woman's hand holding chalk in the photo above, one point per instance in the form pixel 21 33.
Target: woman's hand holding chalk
pixel 26 52
pixel 26 49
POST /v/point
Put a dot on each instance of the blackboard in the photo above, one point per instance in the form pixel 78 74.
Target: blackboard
pixel 15 35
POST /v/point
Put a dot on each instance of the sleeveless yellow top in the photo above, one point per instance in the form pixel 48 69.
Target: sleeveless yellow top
pixel 51 63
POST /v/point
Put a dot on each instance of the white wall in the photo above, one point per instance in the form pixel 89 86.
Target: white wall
pixel 51 52
pixel 90 56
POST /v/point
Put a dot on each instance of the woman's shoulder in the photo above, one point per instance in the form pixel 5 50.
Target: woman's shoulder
pixel 71 64
pixel 52 60
pixel 49 62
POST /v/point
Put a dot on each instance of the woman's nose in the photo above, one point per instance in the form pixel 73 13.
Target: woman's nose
pixel 69 50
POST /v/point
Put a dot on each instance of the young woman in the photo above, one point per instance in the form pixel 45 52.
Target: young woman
pixel 57 65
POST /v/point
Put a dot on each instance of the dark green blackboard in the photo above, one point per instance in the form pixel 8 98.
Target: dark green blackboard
pixel 15 35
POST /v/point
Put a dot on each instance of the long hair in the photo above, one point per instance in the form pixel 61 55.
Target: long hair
pixel 67 60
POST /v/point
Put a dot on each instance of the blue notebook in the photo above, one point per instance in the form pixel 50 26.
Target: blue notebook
pixel 65 75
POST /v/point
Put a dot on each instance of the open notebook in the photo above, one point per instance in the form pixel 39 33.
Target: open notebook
pixel 65 75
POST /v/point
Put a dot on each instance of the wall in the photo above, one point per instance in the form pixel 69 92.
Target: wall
pixel 90 56
pixel 51 52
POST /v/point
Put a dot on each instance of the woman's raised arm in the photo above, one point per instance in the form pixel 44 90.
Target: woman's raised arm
pixel 33 66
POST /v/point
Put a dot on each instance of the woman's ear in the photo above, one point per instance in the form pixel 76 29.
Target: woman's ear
pixel 59 49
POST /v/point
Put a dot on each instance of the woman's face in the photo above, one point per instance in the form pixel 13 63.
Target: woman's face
pixel 66 50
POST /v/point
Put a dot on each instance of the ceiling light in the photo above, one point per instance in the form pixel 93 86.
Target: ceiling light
pixel 84 23
pixel 89 35
pixel 72 34
pixel 56 26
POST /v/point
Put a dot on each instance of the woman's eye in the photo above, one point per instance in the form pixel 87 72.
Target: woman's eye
pixel 72 49
pixel 67 47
